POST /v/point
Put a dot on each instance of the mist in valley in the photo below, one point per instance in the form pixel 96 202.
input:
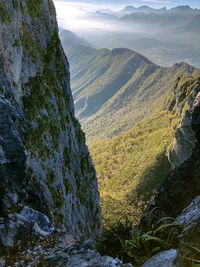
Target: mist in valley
pixel 163 35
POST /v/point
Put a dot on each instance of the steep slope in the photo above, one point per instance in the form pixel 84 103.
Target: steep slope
pixel 108 73
pixel 182 184
pixel 119 83
pixel 135 100
pixel 44 162
pixel 70 38
pixel 133 165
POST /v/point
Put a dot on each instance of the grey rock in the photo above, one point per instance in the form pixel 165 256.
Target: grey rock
pixel 185 139
pixel 74 255
pixel 182 185
pixel 44 161
pixel 2 262
pixel 190 219
pixel 39 220
pixel 18 226
pixel 163 259
pixel 82 255
pixel 38 231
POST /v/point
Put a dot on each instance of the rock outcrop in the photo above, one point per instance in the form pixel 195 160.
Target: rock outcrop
pixel 185 92
pixel 190 219
pixel 56 251
pixel 179 194
pixel 166 258
pixel 182 184
pixel 44 162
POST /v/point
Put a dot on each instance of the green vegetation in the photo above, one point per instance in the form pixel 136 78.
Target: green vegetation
pixel 132 165
pixel 57 197
pixel 190 254
pixel 34 8
pixel 40 99
pixel 45 110
pixel 115 89
pixel 68 186
pixel 15 3
pixel 4 15
pixel 32 46
pixel 135 245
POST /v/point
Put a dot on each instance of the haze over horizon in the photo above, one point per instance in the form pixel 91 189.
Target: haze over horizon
pixel 71 15
pixel 117 4
pixel 165 37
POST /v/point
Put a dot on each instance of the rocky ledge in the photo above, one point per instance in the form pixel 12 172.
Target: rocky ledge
pixel 58 249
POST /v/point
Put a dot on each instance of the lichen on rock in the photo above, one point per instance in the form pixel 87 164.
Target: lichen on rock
pixel 44 161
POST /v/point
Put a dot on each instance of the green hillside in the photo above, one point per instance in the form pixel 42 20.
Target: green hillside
pixel 115 89
pixel 122 100
pixel 134 101
pixel 132 165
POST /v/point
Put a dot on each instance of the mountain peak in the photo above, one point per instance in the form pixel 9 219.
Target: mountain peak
pixel 182 8
pixel 119 51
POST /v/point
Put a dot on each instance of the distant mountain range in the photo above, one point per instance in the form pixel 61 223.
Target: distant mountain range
pixel 146 9
pixel 128 10
pixel 165 36
pixel 107 14
pixel 112 84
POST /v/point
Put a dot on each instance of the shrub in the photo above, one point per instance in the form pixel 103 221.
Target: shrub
pixel 132 244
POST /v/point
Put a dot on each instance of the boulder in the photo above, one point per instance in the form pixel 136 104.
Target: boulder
pixel 190 219
pixel 163 259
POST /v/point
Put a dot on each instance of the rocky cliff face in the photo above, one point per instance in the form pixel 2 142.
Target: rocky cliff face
pixel 182 184
pixel 44 162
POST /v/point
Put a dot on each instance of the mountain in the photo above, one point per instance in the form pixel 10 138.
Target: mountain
pixel 133 165
pixel 182 9
pixel 158 34
pixel 49 200
pixel 131 9
pixel 128 10
pixel 105 75
pixel 156 20
pixel 184 154
pixel 134 100
pixel 123 102
pixel 112 84
pixel 45 166
pixel 71 38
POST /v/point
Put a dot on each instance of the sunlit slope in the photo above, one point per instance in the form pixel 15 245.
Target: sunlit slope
pixel 131 165
pixel 104 75
pixel 134 101
pixel 115 89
